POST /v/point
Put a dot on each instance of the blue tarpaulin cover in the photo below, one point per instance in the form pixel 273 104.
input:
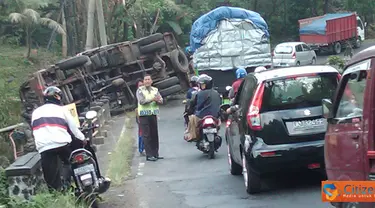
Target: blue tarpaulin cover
pixel 318 26
pixel 208 22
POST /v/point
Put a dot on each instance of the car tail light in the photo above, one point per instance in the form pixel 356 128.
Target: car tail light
pixel 294 55
pixel 253 116
pixel 313 166
pixel 208 122
pixel 268 154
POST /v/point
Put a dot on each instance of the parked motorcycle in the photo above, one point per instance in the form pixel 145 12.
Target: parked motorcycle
pixel 88 185
pixel 210 140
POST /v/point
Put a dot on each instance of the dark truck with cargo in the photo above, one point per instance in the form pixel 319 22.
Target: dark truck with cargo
pixel 332 32
pixel 110 72
pixel 227 38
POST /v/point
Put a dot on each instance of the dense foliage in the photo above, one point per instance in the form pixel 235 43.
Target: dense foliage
pixel 137 18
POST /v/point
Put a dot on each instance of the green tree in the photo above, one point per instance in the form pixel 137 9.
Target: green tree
pixel 30 20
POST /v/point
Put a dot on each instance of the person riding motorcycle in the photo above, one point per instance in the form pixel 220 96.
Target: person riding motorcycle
pixel 53 127
pixel 240 75
pixel 207 102
pixel 193 87
pixel 192 91
pixel 235 107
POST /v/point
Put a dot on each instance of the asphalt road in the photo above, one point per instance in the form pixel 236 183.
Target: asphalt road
pixel 187 179
pixel 322 59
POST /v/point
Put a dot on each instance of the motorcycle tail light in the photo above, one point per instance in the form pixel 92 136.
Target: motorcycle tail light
pixel 79 158
pixel 208 121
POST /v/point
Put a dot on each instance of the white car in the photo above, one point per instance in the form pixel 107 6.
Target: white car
pixel 293 54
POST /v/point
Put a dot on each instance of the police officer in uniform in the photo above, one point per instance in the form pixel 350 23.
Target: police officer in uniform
pixel 148 110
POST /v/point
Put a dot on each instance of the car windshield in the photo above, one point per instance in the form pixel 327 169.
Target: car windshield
pixel 284 49
pixel 298 92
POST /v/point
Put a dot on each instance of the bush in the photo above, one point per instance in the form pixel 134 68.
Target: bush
pixel 44 199
pixel 336 61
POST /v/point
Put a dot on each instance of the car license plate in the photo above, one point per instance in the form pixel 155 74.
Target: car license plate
pixel 84 169
pixel 309 124
pixel 209 131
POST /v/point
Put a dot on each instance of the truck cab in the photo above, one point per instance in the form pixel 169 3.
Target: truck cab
pixel 349 147
pixel 361 29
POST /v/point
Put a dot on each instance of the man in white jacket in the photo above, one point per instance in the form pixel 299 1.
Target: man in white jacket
pixel 52 128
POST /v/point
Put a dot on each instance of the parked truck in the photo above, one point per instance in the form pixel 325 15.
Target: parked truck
pixel 332 32
pixel 227 38
pixel 110 73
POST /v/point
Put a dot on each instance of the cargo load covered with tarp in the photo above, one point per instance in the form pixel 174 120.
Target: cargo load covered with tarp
pixel 319 26
pixel 230 37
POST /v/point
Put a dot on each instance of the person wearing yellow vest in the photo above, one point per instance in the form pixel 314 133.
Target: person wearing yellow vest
pixel 149 99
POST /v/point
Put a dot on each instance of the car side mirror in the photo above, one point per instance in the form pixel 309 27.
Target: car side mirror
pixel 327 107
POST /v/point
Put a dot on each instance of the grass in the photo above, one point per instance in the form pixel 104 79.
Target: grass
pixel 48 200
pixel 15 69
pixel 120 161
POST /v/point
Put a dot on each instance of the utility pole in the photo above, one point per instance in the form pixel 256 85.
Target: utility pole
pixel 90 25
pixel 101 23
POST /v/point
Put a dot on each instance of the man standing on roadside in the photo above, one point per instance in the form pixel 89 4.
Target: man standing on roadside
pixel 148 110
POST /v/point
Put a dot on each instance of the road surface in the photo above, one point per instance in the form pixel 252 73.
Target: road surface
pixel 187 179
pixel 322 59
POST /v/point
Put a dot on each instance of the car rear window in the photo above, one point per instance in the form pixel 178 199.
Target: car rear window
pixel 284 49
pixel 298 92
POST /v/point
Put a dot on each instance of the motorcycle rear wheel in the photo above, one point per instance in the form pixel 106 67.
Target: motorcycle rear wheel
pixel 211 152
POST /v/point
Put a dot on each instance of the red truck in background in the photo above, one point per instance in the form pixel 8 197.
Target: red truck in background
pixel 331 32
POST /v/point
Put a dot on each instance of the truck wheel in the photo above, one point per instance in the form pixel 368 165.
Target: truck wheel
pixel 96 61
pixel 179 61
pixel 103 58
pixel 167 83
pixel 72 62
pixel 170 90
pixel 153 47
pixel 150 39
pixel 358 42
pixel 337 48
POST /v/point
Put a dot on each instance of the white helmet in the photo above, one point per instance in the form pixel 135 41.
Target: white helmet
pixel 259 69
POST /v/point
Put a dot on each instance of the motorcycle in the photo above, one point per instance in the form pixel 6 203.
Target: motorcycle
pixel 210 140
pixel 88 185
pixel 226 103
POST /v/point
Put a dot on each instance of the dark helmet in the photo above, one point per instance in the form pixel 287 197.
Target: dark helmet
pixel 52 94
pixel 205 79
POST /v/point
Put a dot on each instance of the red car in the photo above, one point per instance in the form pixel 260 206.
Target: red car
pixel 349 141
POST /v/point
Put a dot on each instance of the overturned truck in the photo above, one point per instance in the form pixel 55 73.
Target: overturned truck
pixel 110 73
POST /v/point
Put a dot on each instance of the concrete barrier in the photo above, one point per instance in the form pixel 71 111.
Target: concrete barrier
pixel 25 176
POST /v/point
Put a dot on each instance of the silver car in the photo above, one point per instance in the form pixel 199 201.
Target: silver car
pixel 293 54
